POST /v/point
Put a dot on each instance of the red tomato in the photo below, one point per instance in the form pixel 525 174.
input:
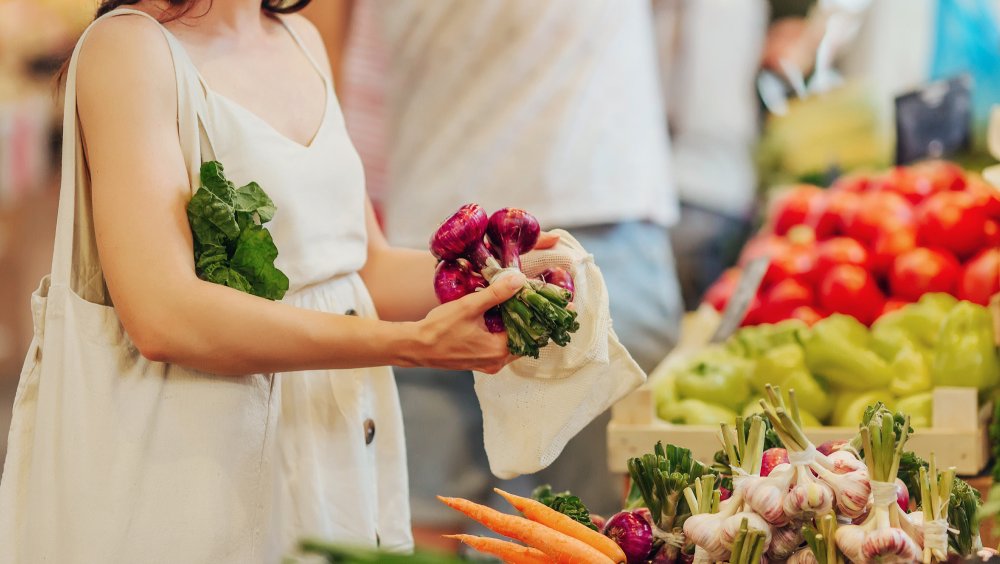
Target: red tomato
pixel 839 250
pixel 762 245
pixel 755 313
pixel 795 261
pixel 719 292
pixel 787 295
pixel 832 215
pixel 892 304
pixel 850 289
pixel 920 180
pixel 922 270
pixel 981 277
pixel 889 244
pixel 992 232
pixel 907 183
pixel 794 206
pixel 987 195
pixel 878 210
pixel 953 220
pixel 807 314
pixel 854 182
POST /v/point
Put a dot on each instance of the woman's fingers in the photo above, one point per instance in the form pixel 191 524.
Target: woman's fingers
pixel 495 294
pixel 547 240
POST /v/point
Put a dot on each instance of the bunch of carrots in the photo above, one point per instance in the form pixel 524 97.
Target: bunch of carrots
pixel 548 535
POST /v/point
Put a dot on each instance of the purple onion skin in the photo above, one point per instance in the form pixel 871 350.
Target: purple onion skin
pixel 454 279
pixel 644 513
pixel 459 233
pixel 560 277
pixel 632 533
pixel 514 232
pixel 494 321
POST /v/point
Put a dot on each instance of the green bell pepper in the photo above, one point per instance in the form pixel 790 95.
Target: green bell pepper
pixel 966 354
pixel 849 407
pixel 910 372
pixel 715 376
pixel 785 366
pixel 919 407
pixel 753 341
pixel 838 348
pixel 919 322
pixel 695 412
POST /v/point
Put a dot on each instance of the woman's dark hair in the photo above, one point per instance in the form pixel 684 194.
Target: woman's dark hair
pixel 181 7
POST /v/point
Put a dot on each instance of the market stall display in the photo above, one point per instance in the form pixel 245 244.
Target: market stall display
pixel 869 499
pixel 873 242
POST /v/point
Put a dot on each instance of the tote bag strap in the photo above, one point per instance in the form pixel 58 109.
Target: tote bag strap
pixel 74 219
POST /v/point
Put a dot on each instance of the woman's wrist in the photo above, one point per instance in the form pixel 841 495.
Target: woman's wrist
pixel 405 343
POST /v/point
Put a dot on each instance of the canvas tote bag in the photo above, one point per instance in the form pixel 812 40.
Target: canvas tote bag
pixel 113 458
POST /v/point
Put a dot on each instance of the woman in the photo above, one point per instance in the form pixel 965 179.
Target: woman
pixel 152 456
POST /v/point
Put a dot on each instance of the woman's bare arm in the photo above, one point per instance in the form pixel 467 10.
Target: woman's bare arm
pixel 127 104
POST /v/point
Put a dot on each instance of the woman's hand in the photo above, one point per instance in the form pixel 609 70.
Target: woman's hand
pixel 454 335
pixel 546 240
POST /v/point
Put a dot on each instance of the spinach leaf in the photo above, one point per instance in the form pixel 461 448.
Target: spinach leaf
pixel 254 258
pixel 231 247
pixel 251 198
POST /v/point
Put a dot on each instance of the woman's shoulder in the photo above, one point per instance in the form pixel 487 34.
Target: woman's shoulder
pixel 124 60
pixel 127 42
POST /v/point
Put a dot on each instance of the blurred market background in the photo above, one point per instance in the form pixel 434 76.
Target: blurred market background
pixel 824 104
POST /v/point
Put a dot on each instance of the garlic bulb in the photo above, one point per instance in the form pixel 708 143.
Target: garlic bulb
pixel 844 461
pixel 731 528
pixel 767 496
pixel 784 542
pixel 808 498
pixel 802 556
pixel 890 542
pixel 849 540
pixel 851 490
pixel 704 530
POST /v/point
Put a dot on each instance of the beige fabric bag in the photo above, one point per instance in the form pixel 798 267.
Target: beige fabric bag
pixel 113 458
pixel 533 407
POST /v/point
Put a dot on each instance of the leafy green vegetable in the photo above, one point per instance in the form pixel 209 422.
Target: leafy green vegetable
pixel 658 482
pixel 991 509
pixel 909 472
pixel 878 411
pixel 565 503
pixel 963 509
pixel 721 459
pixel 231 247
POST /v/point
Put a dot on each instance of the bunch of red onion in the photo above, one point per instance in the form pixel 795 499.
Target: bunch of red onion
pixel 475 250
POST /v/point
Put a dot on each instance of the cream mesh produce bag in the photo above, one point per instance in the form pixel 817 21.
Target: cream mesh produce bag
pixel 533 407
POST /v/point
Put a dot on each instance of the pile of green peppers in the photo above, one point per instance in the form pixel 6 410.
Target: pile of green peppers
pixel 838 366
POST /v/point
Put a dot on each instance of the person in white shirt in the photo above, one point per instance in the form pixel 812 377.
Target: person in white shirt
pixel 554 107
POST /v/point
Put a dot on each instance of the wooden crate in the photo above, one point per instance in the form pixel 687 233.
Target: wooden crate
pixel 958 436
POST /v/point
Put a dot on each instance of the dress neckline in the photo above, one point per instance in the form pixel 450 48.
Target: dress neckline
pixel 210 92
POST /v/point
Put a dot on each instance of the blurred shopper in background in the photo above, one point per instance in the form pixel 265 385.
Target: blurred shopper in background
pixel 550 106
pixel 708 82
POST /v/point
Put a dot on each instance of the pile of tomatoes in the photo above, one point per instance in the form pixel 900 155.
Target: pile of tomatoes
pixel 873 242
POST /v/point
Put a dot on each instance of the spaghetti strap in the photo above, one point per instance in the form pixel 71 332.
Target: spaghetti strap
pixel 305 50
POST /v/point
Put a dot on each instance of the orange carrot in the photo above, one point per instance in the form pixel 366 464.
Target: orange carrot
pixel 560 548
pixel 509 552
pixel 541 513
